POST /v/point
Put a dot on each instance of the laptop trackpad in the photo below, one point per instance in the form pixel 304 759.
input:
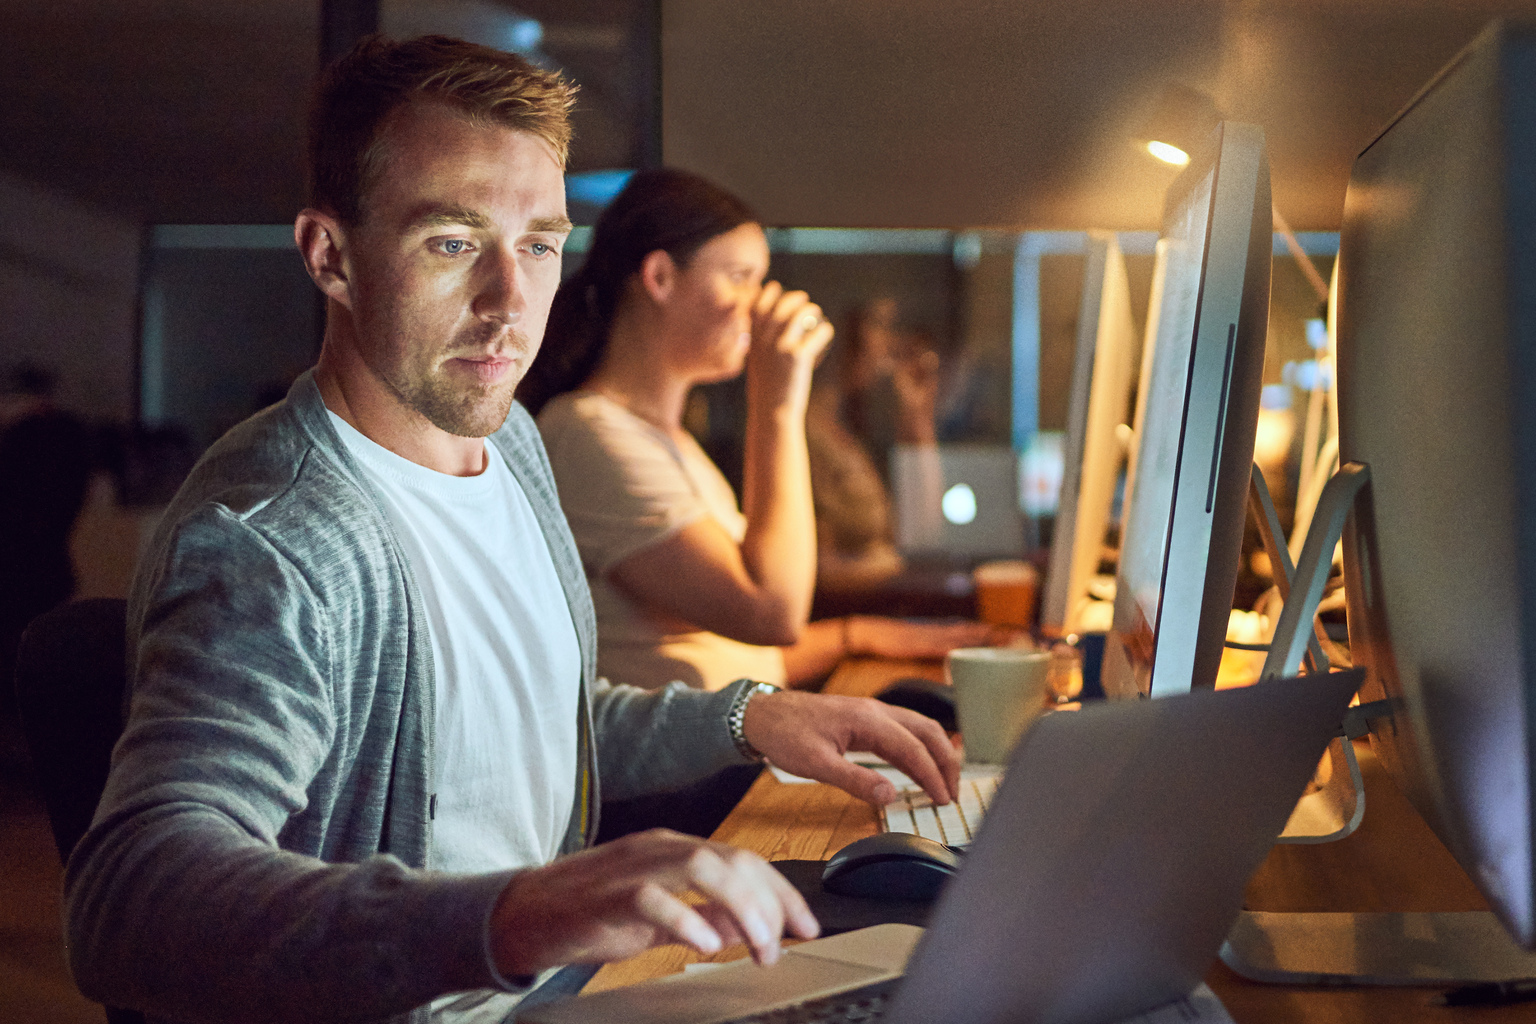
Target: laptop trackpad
pixel 807 971
pixel 885 947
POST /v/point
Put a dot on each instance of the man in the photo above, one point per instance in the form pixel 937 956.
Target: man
pixel 364 737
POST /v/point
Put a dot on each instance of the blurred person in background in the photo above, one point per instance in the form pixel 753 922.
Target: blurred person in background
pixel 875 399
pixel 887 380
pixel 45 465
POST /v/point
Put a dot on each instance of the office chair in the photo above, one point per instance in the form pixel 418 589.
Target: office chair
pixel 70 674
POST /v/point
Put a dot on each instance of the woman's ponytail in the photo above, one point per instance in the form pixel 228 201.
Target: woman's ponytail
pixel 573 344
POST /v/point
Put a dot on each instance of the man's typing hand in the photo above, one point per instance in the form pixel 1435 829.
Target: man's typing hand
pixel 808 733
pixel 619 899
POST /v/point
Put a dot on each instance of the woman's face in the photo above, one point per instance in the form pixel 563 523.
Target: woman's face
pixel 709 312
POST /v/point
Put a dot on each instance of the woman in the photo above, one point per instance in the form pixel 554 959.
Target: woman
pixel 686 584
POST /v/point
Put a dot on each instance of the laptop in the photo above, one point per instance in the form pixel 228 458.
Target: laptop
pixel 1110 866
pixel 957 500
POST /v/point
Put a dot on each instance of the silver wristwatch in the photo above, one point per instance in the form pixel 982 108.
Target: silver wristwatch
pixel 737 718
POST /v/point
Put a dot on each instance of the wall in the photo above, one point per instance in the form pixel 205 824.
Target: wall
pixel 226 329
pixel 68 296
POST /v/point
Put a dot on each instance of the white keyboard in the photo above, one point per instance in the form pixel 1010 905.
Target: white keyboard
pixel 955 823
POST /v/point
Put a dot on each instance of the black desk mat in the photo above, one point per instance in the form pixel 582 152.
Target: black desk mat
pixel 845 913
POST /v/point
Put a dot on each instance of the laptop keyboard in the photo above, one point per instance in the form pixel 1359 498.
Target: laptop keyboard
pixel 954 824
pixel 860 1004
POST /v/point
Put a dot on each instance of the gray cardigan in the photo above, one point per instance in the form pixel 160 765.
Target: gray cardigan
pixel 258 853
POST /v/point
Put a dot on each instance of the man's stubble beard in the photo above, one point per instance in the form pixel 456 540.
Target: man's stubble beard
pixel 474 412
pixel 464 411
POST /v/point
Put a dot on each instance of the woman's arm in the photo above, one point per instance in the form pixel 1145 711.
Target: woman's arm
pixel 760 590
pixel 827 641
pixel 779 549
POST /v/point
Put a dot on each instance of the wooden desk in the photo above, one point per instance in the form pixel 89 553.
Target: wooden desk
pixel 1393 863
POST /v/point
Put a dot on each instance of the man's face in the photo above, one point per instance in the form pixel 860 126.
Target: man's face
pixel 453 264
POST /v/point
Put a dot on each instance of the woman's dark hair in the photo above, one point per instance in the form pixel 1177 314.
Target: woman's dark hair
pixel 667 209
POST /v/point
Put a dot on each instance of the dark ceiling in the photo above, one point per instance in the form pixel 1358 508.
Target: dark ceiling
pixel 965 112
pixel 192 111
pixel 1023 113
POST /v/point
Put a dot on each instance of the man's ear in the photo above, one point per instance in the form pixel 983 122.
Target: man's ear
pixel 322 243
pixel 658 275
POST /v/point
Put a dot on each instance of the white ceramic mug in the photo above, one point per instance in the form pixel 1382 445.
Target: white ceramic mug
pixel 999 691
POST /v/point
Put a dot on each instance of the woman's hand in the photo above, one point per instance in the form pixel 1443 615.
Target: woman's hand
pixel 897 638
pixel 915 378
pixel 789 333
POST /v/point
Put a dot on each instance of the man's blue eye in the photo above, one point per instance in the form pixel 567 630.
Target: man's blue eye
pixel 454 246
pixel 539 248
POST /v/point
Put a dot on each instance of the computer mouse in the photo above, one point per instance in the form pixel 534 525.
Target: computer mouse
pixel 890 866
pixel 926 697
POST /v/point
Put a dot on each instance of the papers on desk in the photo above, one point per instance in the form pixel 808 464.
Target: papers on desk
pixel 894 776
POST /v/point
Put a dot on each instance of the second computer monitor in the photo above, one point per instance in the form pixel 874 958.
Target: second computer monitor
pixel 1437 396
pixel 1102 374
pixel 1182 534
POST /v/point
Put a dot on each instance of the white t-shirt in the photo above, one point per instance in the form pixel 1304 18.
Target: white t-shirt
pixel 626 484
pixel 508 666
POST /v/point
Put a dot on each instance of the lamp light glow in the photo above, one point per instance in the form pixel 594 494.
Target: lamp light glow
pixel 1168 154
pixel 1180 122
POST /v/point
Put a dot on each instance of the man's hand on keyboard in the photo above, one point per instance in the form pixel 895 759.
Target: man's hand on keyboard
pixel 808 733
pixel 619 899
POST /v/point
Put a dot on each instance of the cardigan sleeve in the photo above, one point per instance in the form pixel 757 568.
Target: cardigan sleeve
pixel 181 899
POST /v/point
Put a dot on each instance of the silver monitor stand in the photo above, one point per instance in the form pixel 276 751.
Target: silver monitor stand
pixel 1344 948
pixel 1334 807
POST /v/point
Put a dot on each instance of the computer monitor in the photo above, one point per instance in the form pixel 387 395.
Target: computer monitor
pixel 1437 396
pixel 1144 378
pixel 1183 531
pixel 1093 454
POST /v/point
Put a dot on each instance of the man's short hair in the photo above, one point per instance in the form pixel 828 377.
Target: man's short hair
pixel 358 93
